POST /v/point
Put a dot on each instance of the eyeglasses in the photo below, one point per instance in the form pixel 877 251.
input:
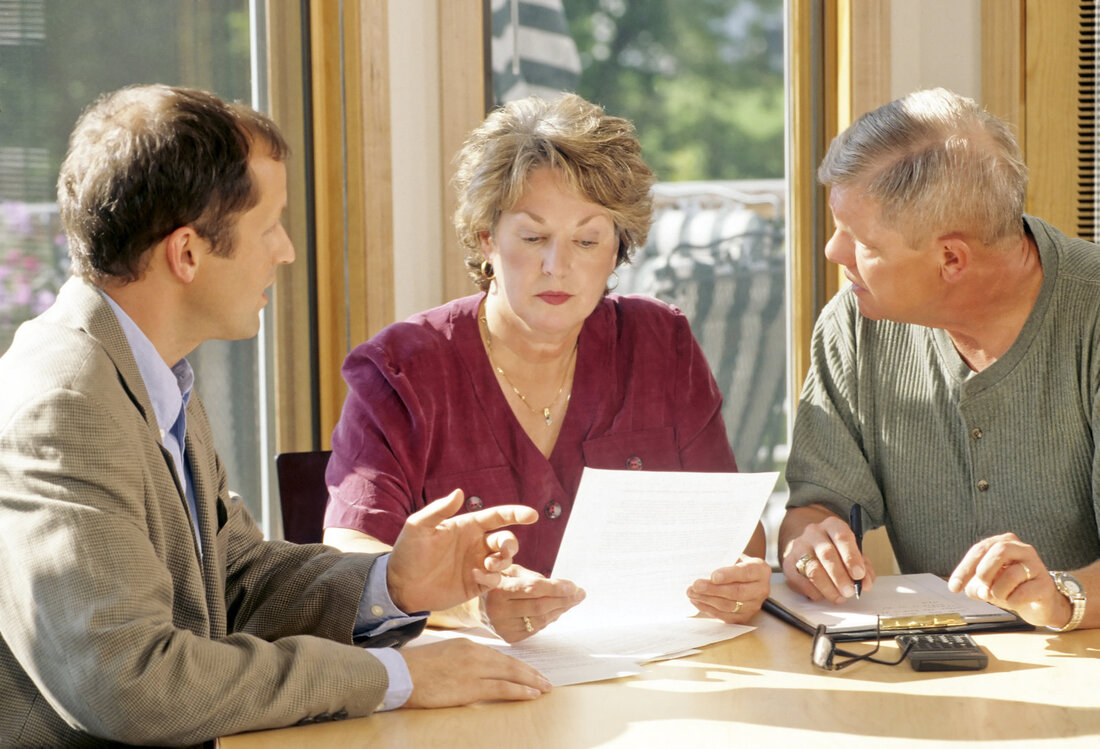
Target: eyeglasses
pixel 825 652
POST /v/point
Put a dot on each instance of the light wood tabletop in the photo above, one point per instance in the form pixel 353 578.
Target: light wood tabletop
pixel 759 689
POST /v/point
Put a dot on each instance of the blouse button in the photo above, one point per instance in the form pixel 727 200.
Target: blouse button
pixel 634 463
pixel 552 510
pixel 976 433
pixel 983 485
pixel 474 503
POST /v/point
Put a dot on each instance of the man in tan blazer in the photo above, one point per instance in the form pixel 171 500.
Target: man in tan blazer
pixel 139 602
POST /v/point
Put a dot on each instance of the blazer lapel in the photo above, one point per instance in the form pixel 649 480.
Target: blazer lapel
pixel 212 512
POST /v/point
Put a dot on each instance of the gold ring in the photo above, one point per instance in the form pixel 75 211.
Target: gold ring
pixel 803 560
pixel 1027 570
pixel 528 625
pixel 738 607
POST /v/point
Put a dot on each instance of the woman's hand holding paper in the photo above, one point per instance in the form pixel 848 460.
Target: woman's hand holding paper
pixel 526 602
pixel 735 593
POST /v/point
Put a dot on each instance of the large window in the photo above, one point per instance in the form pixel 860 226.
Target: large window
pixel 56 56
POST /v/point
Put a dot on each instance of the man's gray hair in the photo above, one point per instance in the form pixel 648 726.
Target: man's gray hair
pixel 935 162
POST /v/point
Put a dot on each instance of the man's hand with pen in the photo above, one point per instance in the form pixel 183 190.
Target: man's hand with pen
pixel 822 556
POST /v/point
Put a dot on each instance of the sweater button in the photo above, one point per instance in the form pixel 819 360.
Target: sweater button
pixel 983 486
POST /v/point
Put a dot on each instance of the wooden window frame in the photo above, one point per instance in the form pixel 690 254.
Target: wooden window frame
pixel 293 306
pixel 353 201
pixel 839 67
pixel 341 290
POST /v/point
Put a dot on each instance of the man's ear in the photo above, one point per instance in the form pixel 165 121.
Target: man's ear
pixel 183 251
pixel 955 257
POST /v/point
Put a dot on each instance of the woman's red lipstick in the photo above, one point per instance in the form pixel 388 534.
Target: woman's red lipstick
pixel 554 297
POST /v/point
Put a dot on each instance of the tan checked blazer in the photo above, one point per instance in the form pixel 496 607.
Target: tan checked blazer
pixel 113 625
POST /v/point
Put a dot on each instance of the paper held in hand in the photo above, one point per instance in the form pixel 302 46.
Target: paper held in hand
pixel 635 542
pixel 637 539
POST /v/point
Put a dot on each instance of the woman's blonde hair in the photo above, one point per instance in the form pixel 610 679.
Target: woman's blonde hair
pixel 598 155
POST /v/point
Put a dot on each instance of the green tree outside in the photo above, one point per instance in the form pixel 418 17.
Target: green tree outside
pixel 702 80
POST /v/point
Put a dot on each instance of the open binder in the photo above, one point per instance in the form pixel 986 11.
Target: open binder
pixel 901 604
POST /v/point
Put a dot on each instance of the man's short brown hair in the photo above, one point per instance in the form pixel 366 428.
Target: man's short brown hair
pixel 146 160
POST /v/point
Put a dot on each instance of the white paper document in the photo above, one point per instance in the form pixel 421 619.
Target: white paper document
pixel 571 656
pixel 578 656
pixel 635 541
pixel 561 660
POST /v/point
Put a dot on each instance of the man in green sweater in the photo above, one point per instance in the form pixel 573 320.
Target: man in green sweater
pixel 954 386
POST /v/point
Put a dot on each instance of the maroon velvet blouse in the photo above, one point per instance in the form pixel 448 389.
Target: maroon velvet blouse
pixel 424 416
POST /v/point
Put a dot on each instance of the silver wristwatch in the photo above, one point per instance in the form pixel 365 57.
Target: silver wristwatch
pixel 1071 588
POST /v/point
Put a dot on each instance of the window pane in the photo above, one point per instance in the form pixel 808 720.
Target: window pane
pixel 703 82
pixel 57 57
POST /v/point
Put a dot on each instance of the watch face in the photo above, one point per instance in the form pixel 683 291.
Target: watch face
pixel 1072 586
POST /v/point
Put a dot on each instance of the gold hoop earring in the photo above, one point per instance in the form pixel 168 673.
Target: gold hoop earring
pixel 616 277
pixel 487 270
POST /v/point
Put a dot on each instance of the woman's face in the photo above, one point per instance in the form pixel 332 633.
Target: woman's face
pixel 552 254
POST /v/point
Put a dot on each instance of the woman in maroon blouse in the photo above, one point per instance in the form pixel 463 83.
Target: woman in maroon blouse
pixel 508 394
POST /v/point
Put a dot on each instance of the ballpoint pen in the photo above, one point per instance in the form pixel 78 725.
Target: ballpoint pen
pixel 855 520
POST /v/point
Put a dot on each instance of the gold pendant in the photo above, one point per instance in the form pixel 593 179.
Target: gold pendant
pixel 546 415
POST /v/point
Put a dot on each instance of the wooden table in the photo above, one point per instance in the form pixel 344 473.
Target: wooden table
pixel 759 690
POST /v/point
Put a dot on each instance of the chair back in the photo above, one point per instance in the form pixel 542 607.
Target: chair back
pixel 302 494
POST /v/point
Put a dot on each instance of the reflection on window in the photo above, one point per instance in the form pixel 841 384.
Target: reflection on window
pixel 56 58
pixel 533 53
pixel 33 258
pixel 716 251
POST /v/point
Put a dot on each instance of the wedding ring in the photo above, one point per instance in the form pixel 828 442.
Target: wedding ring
pixel 737 608
pixel 528 625
pixel 803 560
pixel 1027 570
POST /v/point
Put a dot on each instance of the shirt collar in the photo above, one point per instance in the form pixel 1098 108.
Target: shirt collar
pixel 169 388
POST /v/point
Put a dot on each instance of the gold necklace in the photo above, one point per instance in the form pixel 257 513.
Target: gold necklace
pixel 544 412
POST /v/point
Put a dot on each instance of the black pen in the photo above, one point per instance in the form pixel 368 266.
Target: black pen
pixel 855 520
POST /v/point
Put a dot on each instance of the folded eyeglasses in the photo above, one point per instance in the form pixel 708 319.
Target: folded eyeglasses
pixel 825 652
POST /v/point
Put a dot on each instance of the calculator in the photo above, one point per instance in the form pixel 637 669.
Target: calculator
pixel 944 651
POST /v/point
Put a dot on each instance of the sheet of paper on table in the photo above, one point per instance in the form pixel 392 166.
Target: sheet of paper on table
pixel 560 660
pixel 635 541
